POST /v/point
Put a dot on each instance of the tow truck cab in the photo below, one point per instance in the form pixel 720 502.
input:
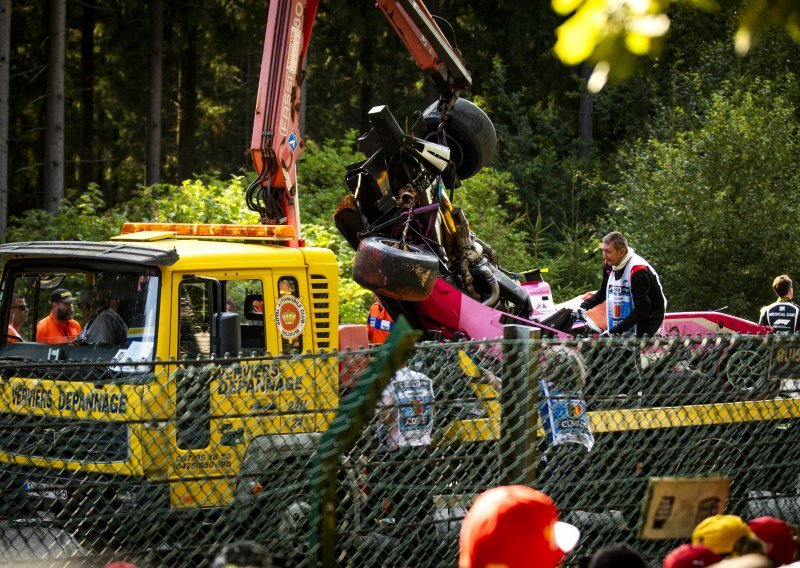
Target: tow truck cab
pixel 192 430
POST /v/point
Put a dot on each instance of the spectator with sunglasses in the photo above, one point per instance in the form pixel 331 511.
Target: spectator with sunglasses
pixel 17 317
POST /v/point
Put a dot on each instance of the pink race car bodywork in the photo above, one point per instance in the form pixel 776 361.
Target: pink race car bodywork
pixel 451 310
pixel 709 323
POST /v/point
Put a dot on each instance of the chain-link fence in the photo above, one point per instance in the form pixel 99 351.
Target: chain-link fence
pixel 162 464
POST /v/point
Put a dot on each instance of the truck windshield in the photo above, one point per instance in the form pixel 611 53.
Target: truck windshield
pixel 79 313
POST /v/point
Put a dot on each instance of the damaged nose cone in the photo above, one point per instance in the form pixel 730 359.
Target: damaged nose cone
pixel 394 269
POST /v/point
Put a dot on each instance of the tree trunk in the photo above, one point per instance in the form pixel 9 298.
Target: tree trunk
pixel 303 102
pixel 368 21
pixel 366 48
pixel 187 109
pixel 86 152
pixel 54 131
pixel 429 87
pixel 5 52
pixel 153 158
pixel 585 116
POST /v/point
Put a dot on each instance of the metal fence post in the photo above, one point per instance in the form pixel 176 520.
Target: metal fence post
pixel 519 400
pixel 355 411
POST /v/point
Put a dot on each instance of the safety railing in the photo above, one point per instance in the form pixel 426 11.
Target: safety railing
pixel 339 460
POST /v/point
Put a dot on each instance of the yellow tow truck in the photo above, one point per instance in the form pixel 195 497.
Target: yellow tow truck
pixel 187 433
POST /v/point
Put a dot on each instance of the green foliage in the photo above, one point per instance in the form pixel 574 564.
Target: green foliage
pixel 486 199
pixel 203 200
pixel 714 208
pixel 613 34
pixel 321 171
pixel 356 62
pixel 758 17
pixel 533 140
pixel 574 261
pixel 80 219
pixel 609 34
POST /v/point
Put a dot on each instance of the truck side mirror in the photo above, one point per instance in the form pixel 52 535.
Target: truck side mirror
pixel 226 334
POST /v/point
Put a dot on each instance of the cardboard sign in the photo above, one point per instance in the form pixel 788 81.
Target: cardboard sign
pixel 675 505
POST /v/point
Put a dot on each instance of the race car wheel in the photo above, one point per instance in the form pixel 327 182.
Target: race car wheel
pixel 470 136
pixel 398 270
pixel 747 371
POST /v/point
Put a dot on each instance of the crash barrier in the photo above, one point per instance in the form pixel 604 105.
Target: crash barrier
pixel 162 464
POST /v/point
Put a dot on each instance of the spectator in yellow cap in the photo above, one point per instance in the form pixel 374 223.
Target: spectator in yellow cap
pixel 727 535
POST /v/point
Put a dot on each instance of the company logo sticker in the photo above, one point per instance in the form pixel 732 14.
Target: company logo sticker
pixel 574 410
pixel 290 315
pixel 293 140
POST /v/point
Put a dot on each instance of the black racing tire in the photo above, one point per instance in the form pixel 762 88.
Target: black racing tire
pixel 394 269
pixel 470 136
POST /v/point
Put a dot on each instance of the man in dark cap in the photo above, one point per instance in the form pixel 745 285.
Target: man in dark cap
pixel 58 327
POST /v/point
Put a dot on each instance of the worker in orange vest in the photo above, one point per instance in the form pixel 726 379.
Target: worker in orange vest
pixel 379 322
pixel 58 326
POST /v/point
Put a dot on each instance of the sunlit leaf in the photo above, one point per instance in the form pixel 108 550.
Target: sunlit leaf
pixel 764 14
pixel 650 25
pixel 599 77
pixel 637 43
pixel 614 30
pixel 565 7
pixel 577 39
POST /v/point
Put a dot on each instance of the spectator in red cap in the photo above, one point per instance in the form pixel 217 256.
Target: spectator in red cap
pixel 778 536
pixel 120 564
pixel 514 527
pixel 691 556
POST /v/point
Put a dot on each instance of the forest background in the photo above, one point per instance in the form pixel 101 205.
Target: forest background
pixel 694 156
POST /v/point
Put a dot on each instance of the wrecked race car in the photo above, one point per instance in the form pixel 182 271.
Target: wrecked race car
pixel 415 249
